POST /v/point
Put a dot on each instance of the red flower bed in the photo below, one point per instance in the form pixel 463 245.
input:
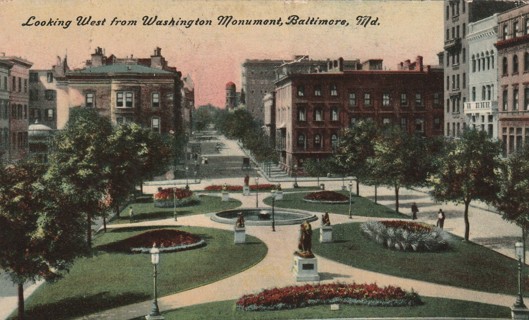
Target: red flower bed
pixel 301 296
pixel 230 188
pixel 408 226
pixel 326 196
pixel 168 193
pixel 164 238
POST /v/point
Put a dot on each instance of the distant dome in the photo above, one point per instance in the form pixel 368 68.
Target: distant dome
pixel 230 85
pixel 39 130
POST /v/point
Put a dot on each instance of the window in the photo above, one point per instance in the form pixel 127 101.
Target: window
pixel 437 123
pixel 49 94
pixel 334 114
pixel 386 121
pixel 505 33
pixel 515 29
pixel 515 99
pixel 301 91
pixel 473 63
pixel 302 114
pixel 464 80
pixel 317 141
pixel 526 99
pixel 19 84
pixel 404 97
pixel 404 124
pixel 334 90
pixel 352 122
pixel 50 114
pixel 301 141
pixel 89 100
pixel 25 85
pixel 418 99
pixel 14 86
pixel 155 100
pixel 367 99
pixel 419 125
pixel 49 77
pixel 318 114
pixel 464 52
pixel 385 99
pixel 473 93
pixel 155 124
pixel 504 66
pixel 437 99
pixel 334 140
pixel 5 83
pixel 124 99
pixel 464 29
pixel 317 90
pixel 352 99
pixel 504 99
pixel 515 64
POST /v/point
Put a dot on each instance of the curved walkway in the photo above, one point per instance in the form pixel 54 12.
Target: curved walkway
pixel 275 271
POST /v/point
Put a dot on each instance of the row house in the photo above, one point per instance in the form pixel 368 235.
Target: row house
pixel 513 73
pixel 15 142
pixel 311 110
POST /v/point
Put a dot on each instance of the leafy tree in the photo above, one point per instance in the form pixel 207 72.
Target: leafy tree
pixel 317 167
pixel 40 237
pixel 203 117
pixel 467 171
pixel 78 164
pixel 400 160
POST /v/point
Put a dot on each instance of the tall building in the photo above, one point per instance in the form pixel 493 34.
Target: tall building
pixel 5 67
pixel 231 96
pixel 311 110
pixel 513 65
pixel 481 112
pixel 458 15
pixel 18 106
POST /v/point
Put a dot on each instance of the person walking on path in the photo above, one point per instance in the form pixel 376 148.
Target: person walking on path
pixel 131 215
pixel 414 211
pixel 441 218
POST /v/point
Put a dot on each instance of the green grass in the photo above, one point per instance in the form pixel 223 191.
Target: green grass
pixel 147 211
pixel 432 307
pixel 359 206
pixel 465 264
pixel 109 280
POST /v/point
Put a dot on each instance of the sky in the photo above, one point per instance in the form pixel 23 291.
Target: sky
pixel 212 54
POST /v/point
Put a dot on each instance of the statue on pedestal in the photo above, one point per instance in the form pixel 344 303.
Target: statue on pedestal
pixel 325 221
pixel 239 224
pixel 305 241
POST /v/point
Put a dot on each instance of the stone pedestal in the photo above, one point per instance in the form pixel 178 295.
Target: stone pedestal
pixel 239 235
pixel 246 190
pixel 279 195
pixel 149 317
pixel 225 196
pixel 305 269
pixel 519 313
pixel 326 234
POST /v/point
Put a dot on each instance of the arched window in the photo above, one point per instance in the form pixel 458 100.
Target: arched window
pixel 515 64
pixel 317 141
pixel 492 59
pixel 504 66
pixel 301 141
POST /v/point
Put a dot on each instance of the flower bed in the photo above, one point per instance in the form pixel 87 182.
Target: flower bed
pixel 406 236
pixel 308 295
pixel 165 239
pixel 165 198
pixel 326 197
pixel 231 188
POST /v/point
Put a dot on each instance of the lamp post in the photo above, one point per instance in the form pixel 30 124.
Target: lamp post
pixel 350 193
pixel 187 181
pixel 257 192
pixel 518 246
pixel 273 207
pixel 174 203
pixel 155 259
pixel 296 176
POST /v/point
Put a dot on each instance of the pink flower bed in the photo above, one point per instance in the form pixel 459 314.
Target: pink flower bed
pixel 169 193
pixel 306 295
pixel 331 196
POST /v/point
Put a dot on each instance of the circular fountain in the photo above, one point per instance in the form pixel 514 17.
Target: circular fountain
pixel 263 216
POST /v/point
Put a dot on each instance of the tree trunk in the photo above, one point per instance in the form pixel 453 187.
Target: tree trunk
pixel 21 301
pixel 467 223
pixel 376 194
pixel 524 238
pixel 396 199
pixel 357 188
pixel 105 223
pixel 141 187
pixel 89 230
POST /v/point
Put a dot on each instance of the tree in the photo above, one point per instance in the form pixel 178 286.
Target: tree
pixel 467 171
pixel 203 117
pixel 317 167
pixel 512 199
pixel 400 160
pixel 78 164
pixel 40 237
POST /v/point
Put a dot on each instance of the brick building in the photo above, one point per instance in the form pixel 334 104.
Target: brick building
pixel 5 66
pixel 311 110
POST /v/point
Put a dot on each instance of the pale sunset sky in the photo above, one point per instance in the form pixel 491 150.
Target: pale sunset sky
pixel 212 54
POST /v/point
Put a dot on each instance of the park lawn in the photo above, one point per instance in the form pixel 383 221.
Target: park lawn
pixel 432 308
pixel 109 280
pixel 359 206
pixel 465 264
pixel 144 211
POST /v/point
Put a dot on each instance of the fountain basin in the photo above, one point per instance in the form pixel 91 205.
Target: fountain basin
pixel 263 216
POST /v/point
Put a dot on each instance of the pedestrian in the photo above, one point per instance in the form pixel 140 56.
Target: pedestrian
pixel 414 211
pixel 131 215
pixel 441 219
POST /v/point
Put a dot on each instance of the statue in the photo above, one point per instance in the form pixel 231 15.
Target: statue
pixel 305 241
pixel 325 221
pixel 246 180
pixel 239 224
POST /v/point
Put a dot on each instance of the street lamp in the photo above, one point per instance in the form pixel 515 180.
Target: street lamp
pixel 174 203
pixel 257 192
pixel 518 246
pixel 273 207
pixel 155 259
pixel 187 181
pixel 350 193
pixel 296 176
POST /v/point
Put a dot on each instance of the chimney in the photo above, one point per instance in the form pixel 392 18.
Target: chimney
pixel 340 64
pixel 418 64
pixel 97 57
pixel 157 61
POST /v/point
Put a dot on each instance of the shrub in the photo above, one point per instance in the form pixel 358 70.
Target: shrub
pixel 406 236
pixel 302 296
pixel 331 196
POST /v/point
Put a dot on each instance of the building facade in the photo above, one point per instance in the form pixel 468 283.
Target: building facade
pixel 5 67
pixel 311 110
pixel 481 112
pixel 513 68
